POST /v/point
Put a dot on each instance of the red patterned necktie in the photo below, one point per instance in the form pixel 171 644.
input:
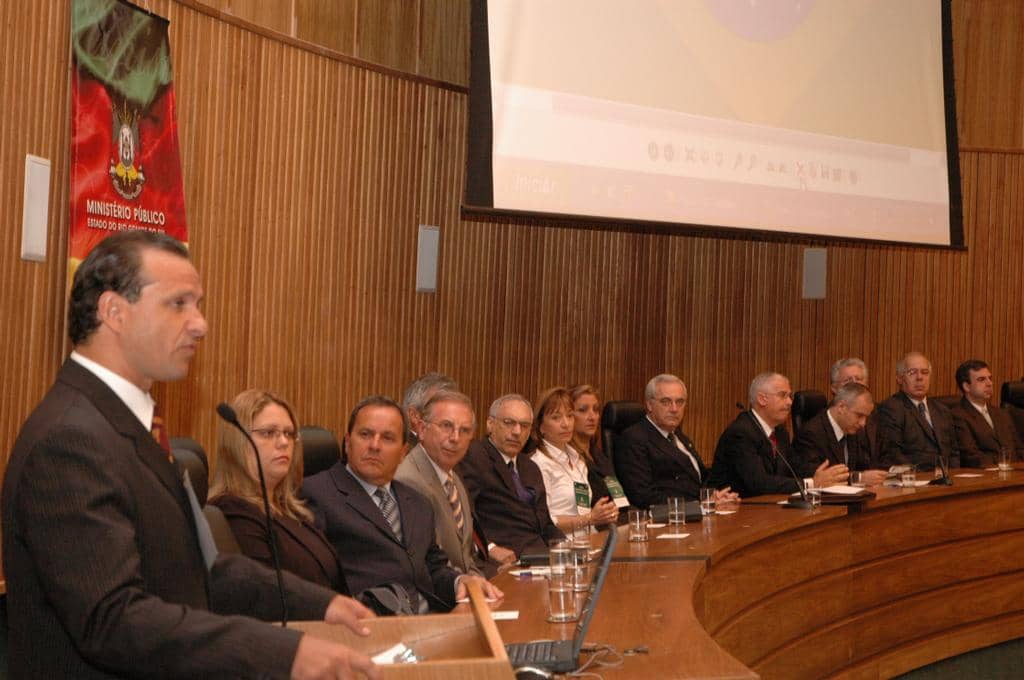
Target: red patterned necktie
pixel 775 444
pixel 159 432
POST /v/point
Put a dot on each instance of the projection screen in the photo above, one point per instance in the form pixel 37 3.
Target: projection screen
pixel 822 118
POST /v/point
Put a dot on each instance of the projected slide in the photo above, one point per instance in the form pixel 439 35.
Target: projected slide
pixel 818 117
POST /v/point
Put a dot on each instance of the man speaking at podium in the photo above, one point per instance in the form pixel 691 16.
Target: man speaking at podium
pixel 111 569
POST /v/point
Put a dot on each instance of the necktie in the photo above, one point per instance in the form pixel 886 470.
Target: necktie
pixel 159 432
pixel 453 500
pixel 988 418
pixel 923 410
pixel 389 509
pixel 674 441
pixel 775 444
pixel 846 452
pixel 525 495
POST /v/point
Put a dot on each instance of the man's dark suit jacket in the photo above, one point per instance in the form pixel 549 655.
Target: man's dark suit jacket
pixel 370 553
pixel 651 468
pixel 506 520
pixel 744 459
pixel 977 440
pixel 816 442
pixel 301 548
pixel 104 573
pixel 905 438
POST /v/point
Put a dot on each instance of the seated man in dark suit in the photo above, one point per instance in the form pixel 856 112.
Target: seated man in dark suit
pixel 838 435
pixel 654 458
pixel 911 429
pixel 111 567
pixel 383 530
pixel 981 431
pixel 507 489
pixel 752 452
pixel 853 370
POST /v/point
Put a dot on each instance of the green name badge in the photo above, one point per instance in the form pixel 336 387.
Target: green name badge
pixel 582 497
pixel 616 492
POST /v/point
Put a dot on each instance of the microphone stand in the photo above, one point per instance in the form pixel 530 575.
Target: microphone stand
pixel 945 479
pixel 229 416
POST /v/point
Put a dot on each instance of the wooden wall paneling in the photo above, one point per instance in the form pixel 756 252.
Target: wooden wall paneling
pixel 331 24
pixel 387 32
pixel 277 16
pixel 34 110
pixel 988 45
pixel 444 40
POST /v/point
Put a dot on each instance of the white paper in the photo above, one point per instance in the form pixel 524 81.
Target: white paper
pixel 673 535
pixel 843 489
pixel 508 615
pixel 725 512
pixel 388 655
pixel 652 525
pixel 969 474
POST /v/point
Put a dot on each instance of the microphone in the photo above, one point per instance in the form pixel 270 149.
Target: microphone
pixel 739 406
pixel 945 479
pixel 790 503
pixel 229 416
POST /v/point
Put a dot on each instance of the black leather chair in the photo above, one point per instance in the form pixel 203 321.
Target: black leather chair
pixel 191 456
pixel 616 417
pixel 320 449
pixel 1011 396
pixel 806 405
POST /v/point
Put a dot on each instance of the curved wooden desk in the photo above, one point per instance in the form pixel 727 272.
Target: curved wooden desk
pixel 912 577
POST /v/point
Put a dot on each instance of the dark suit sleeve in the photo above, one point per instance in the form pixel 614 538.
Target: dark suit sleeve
pixel 249 530
pixel 891 423
pixel 633 465
pixel 73 509
pixel 808 452
pixel 741 449
pixel 970 455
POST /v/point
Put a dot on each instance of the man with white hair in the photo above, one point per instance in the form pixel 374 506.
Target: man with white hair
pixel 654 459
pixel 752 452
pixel 913 430
pixel 845 371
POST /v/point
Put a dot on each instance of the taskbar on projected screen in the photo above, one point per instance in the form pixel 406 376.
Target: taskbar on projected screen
pixel 567 189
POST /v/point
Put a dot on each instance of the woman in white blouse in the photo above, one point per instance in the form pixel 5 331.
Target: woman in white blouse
pixel 563 469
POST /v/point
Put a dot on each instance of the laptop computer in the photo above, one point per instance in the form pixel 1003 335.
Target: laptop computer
pixel 562 656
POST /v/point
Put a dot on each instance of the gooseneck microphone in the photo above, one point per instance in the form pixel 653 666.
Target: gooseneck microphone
pixel 803 503
pixel 945 479
pixel 229 416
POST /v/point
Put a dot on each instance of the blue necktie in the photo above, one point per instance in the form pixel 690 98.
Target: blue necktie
pixel 525 495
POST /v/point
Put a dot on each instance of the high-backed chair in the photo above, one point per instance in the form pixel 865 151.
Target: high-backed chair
pixel 616 417
pixel 190 454
pixel 1012 398
pixel 806 405
pixel 320 449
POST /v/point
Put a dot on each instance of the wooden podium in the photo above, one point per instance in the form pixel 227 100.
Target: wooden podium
pixel 465 646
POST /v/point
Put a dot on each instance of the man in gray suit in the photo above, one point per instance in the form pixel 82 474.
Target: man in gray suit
pixel 445 430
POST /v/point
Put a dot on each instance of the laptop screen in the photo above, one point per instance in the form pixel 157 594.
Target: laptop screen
pixel 587 612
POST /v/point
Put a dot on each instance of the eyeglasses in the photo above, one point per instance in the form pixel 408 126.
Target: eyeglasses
pixel 512 422
pixel 447 428
pixel 918 371
pixel 272 433
pixel 669 401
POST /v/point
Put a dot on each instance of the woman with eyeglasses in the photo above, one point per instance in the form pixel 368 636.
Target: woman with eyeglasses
pixel 571 502
pixel 302 548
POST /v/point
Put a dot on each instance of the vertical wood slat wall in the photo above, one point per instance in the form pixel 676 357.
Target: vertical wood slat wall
pixel 306 178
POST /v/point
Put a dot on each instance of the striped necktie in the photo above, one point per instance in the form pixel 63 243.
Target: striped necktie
pixel 453 500
pixel 389 509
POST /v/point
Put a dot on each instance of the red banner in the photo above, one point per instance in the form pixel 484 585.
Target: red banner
pixel 125 165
